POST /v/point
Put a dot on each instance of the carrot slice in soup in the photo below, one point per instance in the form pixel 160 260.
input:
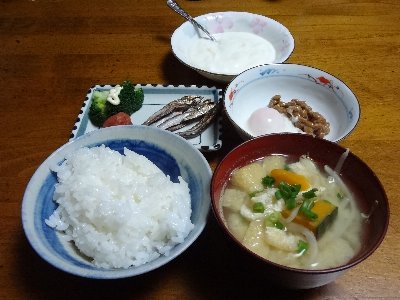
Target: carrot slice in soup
pixel 289 177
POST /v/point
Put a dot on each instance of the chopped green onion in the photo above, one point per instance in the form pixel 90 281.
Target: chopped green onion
pixel 307 204
pixel 286 167
pixel 310 214
pixel 296 188
pixel 306 207
pixel 268 181
pixel 288 193
pixel 302 246
pixel 285 190
pixel 310 194
pixel 258 207
pixel 290 203
pixel 274 217
pixel 340 196
pixel 252 194
pixel 273 220
pixel 279 225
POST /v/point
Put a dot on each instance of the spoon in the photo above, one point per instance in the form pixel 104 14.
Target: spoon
pixel 175 7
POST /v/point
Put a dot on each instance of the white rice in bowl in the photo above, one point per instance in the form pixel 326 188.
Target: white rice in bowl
pixel 119 210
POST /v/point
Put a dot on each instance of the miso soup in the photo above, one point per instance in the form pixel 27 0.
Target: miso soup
pixel 293 213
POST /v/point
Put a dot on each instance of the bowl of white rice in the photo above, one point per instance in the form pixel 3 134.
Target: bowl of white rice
pixel 117 202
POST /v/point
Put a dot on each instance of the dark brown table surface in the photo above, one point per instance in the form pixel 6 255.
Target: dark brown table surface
pixel 53 51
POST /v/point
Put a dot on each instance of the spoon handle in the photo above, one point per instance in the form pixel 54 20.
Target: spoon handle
pixel 175 7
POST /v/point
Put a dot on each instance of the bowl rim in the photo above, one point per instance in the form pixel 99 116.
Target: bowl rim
pixel 292 65
pixel 89 139
pixel 229 76
pixel 353 262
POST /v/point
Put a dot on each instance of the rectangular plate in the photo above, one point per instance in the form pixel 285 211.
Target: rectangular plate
pixel 155 97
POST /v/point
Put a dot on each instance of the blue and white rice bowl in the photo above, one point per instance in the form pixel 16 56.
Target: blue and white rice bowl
pixel 324 93
pixel 169 152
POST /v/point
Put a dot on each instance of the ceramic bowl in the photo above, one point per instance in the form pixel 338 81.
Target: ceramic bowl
pixel 323 92
pixel 163 148
pixel 221 22
pixel 367 190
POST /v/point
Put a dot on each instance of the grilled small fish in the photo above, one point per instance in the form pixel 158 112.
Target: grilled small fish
pixel 182 104
pixel 171 115
pixel 199 127
pixel 192 113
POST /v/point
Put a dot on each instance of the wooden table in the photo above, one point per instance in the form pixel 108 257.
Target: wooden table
pixel 52 51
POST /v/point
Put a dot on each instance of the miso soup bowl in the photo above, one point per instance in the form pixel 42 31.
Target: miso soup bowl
pixel 363 183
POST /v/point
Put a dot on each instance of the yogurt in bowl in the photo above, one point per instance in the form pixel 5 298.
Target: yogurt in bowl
pixel 244 40
pixel 232 53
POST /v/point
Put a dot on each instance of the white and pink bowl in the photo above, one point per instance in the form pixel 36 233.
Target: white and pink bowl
pixel 230 21
pixel 324 93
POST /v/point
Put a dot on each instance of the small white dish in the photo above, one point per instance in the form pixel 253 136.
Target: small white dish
pixel 163 148
pixel 230 21
pixel 155 97
pixel 324 93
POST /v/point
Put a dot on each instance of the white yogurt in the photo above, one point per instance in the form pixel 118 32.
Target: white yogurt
pixel 233 52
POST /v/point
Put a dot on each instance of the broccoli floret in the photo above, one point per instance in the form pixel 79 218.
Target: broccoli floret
pixel 131 100
pixel 98 111
pixel 139 98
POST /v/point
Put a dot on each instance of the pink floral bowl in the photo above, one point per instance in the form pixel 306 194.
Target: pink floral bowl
pixel 186 35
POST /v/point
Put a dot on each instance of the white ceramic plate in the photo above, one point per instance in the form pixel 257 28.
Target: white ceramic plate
pixel 325 94
pixel 155 97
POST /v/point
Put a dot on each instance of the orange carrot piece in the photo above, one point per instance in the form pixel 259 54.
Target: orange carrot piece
pixel 289 177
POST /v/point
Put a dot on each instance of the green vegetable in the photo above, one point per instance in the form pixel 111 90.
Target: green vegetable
pixel 310 194
pixel 288 193
pixel 97 111
pixel 258 207
pixel 273 220
pixel 274 217
pixel 253 194
pixel 340 196
pixel 302 246
pixel 268 181
pixel 306 207
pixel 279 225
pixel 131 100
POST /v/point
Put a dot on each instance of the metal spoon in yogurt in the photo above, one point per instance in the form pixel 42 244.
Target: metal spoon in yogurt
pixel 175 7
